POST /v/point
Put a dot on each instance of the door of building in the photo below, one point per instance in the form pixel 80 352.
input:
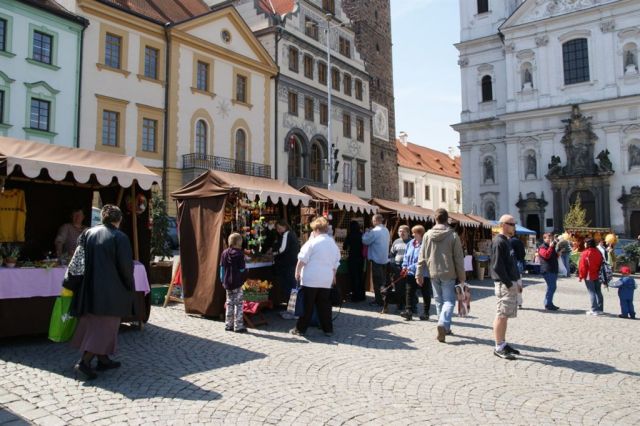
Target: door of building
pixel 634 221
pixel 533 223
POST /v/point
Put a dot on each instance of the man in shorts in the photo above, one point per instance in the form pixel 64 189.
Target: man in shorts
pixel 504 272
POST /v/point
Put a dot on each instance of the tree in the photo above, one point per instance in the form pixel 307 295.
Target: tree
pixel 160 225
pixel 576 217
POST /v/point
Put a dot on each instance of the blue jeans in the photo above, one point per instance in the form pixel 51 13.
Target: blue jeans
pixel 595 294
pixel 567 264
pixel 551 278
pixel 445 295
pixel 626 307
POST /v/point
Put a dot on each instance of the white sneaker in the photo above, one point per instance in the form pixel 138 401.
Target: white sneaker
pixel 590 313
pixel 598 313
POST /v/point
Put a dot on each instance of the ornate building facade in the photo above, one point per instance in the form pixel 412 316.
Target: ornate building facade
pixel 550 109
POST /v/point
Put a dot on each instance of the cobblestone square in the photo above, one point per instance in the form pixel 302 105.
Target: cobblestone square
pixel 376 369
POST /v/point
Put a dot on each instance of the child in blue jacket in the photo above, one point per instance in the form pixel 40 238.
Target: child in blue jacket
pixel 625 293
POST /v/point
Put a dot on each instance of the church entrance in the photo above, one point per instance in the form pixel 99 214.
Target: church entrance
pixel 635 224
pixel 631 211
pixel 533 223
pixel 588 202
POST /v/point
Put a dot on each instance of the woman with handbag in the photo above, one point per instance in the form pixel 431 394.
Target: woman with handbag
pixel 105 295
pixel 589 270
pixel 318 261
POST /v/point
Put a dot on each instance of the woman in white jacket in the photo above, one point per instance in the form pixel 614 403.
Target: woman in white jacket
pixel 318 261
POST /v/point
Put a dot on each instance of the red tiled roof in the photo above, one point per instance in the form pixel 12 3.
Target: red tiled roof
pixel 428 160
pixel 278 7
pixel 162 11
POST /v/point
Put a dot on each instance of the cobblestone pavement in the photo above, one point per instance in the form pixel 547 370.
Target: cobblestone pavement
pixel 377 369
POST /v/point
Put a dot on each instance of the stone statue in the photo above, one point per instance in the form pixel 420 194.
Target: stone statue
pixel 488 171
pixel 604 164
pixel 527 78
pixel 491 211
pixel 634 156
pixel 531 165
pixel 629 59
pixel 554 167
pixel 579 140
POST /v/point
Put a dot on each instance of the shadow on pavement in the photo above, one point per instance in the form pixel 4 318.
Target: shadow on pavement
pixel 471 340
pixel 7 417
pixel 154 362
pixel 577 365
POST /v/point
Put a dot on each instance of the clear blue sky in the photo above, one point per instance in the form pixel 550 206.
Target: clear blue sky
pixel 425 70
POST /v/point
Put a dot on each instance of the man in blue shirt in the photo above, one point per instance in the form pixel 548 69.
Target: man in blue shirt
pixel 377 241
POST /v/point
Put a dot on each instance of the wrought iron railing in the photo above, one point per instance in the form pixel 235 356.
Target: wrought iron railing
pixel 206 162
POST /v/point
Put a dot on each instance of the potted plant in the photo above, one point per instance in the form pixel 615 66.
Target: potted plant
pixel 10 255
pixel 631 256
pixel 159 272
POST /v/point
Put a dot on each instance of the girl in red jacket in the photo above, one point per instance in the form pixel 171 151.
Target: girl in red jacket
pixel 589 270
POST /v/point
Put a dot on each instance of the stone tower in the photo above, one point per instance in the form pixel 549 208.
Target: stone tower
pixel 372 25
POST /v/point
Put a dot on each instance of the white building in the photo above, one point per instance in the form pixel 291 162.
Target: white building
pixel 294 34
pixel 39 71
pixel 428 178
pixel 548 87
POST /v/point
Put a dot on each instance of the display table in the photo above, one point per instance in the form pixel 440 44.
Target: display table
pixel 27 296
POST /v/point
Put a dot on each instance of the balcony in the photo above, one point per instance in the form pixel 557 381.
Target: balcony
pixel 299 182
pixel 212 162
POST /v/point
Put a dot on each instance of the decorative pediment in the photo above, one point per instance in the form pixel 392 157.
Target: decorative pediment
pixel 633 128
pixel 487 148
pixel 537 10
pixel 629 33
pixel 525 55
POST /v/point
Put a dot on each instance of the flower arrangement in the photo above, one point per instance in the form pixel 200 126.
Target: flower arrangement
pixel 256 290
pixel 10 253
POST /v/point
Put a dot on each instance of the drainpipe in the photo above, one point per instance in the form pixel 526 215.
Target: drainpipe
pixel 76 143
pixel 165 142
pixel 275 143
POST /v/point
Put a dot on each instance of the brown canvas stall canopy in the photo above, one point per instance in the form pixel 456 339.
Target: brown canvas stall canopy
pixel 55 180
pixel 404 211
pixel 341 200
pixel 201 208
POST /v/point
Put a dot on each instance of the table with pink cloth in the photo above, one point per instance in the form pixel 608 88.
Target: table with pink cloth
pixel 18 283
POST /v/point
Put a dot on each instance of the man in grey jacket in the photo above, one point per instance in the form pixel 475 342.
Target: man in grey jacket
pixel 442 253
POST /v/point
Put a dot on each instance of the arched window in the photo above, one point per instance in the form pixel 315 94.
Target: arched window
pixel 241 150
pixel 575 59
pixel 295 158
pixel 487 89
pixel 201 138
pixel 315 163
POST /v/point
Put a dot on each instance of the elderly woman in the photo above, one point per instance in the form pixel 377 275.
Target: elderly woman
pixel 318 260
pixel 68 234
pixel 105 295
pixel 589 270
pixel 409 265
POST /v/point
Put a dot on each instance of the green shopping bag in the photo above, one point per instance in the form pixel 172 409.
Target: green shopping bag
pixel 62 325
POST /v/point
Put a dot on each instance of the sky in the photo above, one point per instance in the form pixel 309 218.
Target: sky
pixel 425 70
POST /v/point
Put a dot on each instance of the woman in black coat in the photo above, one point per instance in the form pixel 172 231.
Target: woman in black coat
pixel 105 295
pixel 353 244
pixel 285 259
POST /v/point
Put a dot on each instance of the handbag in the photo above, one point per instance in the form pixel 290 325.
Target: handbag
pixel 75 271
pixel 293 298
pixel 62 325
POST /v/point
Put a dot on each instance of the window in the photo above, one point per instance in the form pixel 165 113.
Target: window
pixel 3 35
pixel 483 6
pixel 201 138
pixel 311 28
pixel 443 195
pixel 575 59
pixel 151 62
pixel 359 129
pixel 202 76
pixel 458 197
pixel 335 78
pixel 149 135
pixel 112 50
pixel 308 108
pixel 293 59
pixel 358 89
pixel 427 192
pixel 241 150
pixel 345 47
pixel 329 6
pixel 39 114
pixel 322 73
pixel 407 189
pixel 324 114
pixel 110 126
pixel 241 88
pixel 293 103
pixel 347 84
pixel 346 125
pixel 487 89
pixel 360 175
pixel 295 159
pixel 42 45
pixel 1 106
pixel 315 163
pixel 308 66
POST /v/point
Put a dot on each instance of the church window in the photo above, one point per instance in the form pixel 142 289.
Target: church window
pixel 487 88
pixel 483 6
pixel 575 59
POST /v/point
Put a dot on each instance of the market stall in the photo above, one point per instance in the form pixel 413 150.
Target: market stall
pixel 39 185
pixel 211 207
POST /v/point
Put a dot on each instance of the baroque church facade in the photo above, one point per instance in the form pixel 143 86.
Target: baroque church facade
pixel 551 110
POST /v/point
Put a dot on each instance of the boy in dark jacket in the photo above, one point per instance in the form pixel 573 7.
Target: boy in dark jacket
pixel 233 274
pixel 625 293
